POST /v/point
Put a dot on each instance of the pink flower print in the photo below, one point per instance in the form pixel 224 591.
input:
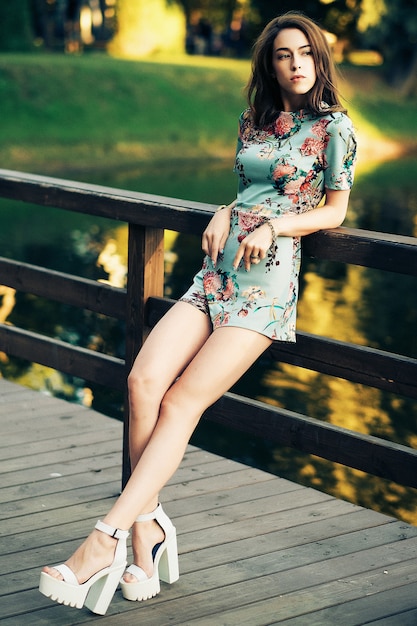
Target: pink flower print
pixel 284 124
pixel 312 146
pixel 293 186
pixel 319 129
pixel 221 319
pixel 212 283
pixel 283 169
pixel 343 181
pixel 243 313
pixel 228 289
pixel 306 187
pixel 248 221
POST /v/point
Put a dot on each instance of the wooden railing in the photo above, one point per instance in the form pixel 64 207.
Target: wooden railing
pixel 141 304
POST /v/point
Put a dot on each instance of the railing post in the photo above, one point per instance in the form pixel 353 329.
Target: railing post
pixel 145 278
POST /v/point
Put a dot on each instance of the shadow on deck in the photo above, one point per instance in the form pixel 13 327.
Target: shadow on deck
pixel 255 549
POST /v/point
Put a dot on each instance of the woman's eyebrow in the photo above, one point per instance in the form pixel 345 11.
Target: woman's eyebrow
pixel 300 48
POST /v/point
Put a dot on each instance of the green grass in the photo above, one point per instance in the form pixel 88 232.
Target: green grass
pixel 382 106
pixel 61 113
pixel 98 110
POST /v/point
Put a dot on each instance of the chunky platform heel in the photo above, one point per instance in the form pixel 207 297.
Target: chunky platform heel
pixel 165 560
pixel 96 593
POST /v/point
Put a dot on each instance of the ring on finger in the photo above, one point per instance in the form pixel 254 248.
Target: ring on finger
pixel 254 256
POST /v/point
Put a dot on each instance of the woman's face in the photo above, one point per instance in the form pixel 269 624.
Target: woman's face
pixel 293 66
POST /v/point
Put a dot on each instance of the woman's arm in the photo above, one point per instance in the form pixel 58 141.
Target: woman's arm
pixel 217 231
pixel 330 215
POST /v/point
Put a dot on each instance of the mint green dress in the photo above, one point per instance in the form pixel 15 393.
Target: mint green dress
pixel 283 168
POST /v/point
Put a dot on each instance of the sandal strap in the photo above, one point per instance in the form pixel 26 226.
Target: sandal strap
pixel 117 533
pixel 160 517
pixel 67 574
pixel 137 572
pixel 146 517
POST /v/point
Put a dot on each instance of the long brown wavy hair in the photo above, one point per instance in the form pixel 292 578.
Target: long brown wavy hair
pixel 263 91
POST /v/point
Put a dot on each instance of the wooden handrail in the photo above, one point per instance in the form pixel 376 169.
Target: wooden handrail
pixel 394 253
pixel 141 305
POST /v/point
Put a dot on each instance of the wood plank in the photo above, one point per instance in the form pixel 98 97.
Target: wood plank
pixel 145 278
pixel 391 604
pixel 40 454
pixel 115 204
pixel 66 419
pixel 384 251
pixel 39 466
pixel 406 618
pixel 95 366
pixel 248 580
pixel 34 480
pixel 364 452
pixel 83 293
pixel 65 476
pixel 267 612
pixel 255 549
pixel 205 602
pixel 204 558
pixel 394 253
pixel 360 364
pixel 41 417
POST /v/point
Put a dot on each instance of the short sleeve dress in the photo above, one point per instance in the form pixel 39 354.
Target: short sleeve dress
pixel 282 168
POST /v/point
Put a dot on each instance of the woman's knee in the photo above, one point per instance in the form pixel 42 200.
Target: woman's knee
pixel 142 382
pixel 179 406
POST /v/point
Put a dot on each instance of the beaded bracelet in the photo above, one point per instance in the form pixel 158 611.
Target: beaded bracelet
pixel 274 235
pixel 221 207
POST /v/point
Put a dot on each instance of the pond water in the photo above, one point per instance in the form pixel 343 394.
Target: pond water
pixel 347 303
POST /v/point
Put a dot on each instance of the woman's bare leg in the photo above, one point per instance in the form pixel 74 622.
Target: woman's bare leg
pixel 221 361
pixel 171 345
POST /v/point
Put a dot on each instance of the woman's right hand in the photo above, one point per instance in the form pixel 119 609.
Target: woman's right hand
pixel 216 233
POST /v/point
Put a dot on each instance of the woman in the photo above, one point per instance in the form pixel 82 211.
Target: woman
pixel 296 145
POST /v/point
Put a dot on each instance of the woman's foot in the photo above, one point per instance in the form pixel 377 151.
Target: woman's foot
pixel 155 556
pixel 145 536
pixel 94 554
pixel 91 575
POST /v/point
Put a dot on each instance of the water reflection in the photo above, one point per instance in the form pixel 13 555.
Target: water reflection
pixel 344 302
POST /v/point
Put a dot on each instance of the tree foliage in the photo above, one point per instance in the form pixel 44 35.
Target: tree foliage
pixel 338 16
pixel 391 28
pixel 145 28
pixel 15 26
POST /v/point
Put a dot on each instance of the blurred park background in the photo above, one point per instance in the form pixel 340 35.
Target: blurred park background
pixel 145 95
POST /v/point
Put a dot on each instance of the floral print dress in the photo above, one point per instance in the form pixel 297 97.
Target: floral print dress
pixel 283 168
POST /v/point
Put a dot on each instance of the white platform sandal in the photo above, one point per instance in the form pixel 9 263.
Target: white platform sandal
pixel 165 560
pixel 96 593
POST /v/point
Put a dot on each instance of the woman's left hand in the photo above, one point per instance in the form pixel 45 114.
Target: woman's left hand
pixel 254 247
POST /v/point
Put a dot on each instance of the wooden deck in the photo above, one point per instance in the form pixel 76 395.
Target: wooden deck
pixel 254 549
